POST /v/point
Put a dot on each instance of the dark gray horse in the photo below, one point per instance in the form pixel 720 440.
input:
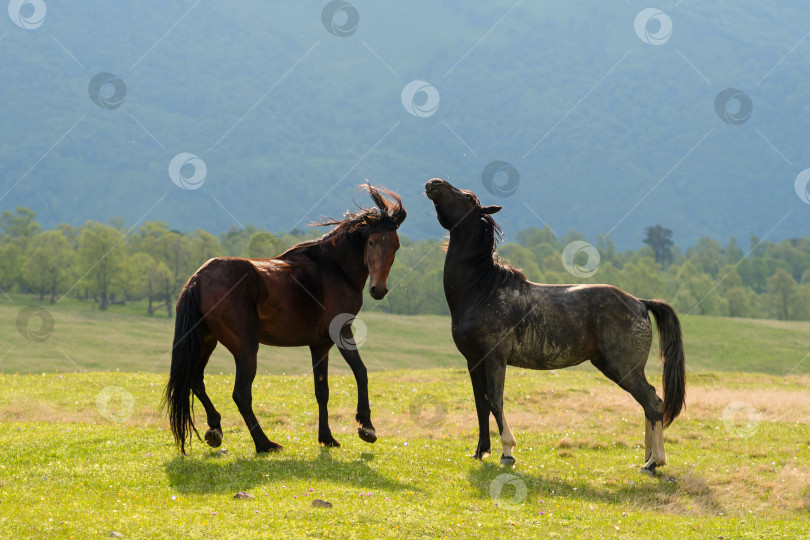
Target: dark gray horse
pixel 500 318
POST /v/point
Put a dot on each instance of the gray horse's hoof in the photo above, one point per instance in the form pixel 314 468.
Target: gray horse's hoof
pixel 367 434
pixel 213 437
pixel 649 469
pixel 507 460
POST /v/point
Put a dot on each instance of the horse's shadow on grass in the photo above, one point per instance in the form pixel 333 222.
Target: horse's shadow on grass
pixel 222 475
pixel 662 491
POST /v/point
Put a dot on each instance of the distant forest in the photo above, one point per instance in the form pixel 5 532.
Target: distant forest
pixel 108 263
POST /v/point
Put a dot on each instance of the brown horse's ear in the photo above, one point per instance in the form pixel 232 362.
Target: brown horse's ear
pixel 494 209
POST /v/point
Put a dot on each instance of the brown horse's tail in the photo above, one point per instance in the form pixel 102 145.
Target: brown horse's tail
pixel 671 343
pixel 186 354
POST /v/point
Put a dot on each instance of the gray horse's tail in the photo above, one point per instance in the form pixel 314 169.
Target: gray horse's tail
pixel 671 343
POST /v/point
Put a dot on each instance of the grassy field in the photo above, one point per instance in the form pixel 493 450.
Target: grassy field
pixel 87 451
pixel 78 466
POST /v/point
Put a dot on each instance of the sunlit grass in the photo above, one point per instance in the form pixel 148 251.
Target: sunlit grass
pixel 67 471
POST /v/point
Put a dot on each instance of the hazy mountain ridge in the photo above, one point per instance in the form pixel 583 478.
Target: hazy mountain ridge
pixel 333 114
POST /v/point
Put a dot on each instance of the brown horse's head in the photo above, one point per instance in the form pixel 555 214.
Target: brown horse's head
pixel 378 229
pixel 382 241
pixel 455 207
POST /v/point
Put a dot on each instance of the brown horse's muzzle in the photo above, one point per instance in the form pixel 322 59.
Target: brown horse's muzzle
pixel 377 292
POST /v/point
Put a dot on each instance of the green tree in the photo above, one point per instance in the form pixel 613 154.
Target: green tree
pixel 20 227
pixel 49 262
pixel 660 240
pixel 263 245
pixel 101 253
pixel 781 290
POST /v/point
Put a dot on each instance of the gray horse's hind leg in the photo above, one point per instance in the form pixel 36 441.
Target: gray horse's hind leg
pixel 635 382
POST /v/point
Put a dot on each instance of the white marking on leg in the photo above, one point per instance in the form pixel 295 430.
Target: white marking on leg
pixel 658 444
pixel 507 439
pixel 647 439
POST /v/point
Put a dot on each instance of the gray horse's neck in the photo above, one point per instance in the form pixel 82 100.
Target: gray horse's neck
pixel 468 267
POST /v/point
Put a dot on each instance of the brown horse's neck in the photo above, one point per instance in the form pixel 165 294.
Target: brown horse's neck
pixel 346 252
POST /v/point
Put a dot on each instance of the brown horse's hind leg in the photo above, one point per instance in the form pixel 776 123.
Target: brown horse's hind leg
pixel 213 436
pixel 320 372
pixel 243 397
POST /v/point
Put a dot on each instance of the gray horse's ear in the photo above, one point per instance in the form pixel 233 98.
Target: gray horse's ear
pixel 494 209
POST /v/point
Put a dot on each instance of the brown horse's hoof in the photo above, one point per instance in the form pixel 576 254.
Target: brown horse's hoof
pixel 367 434
pixel 272 447
pixel 213 437
pixel 507 460
pixel 329 443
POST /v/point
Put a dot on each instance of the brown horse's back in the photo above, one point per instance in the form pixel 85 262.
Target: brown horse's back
pixel 268 300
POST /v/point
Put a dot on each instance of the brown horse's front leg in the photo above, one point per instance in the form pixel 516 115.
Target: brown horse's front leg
pixel 365 429
pixel 320 372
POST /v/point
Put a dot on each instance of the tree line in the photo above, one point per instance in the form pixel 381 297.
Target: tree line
pixel 104 264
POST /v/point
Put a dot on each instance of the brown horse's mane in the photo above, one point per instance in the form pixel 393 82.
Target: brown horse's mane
pixel 388 215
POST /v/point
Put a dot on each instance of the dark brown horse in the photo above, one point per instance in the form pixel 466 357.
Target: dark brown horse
pixel 500 318
pixel 295 299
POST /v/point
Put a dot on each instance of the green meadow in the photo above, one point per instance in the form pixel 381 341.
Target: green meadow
pixel 87 452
